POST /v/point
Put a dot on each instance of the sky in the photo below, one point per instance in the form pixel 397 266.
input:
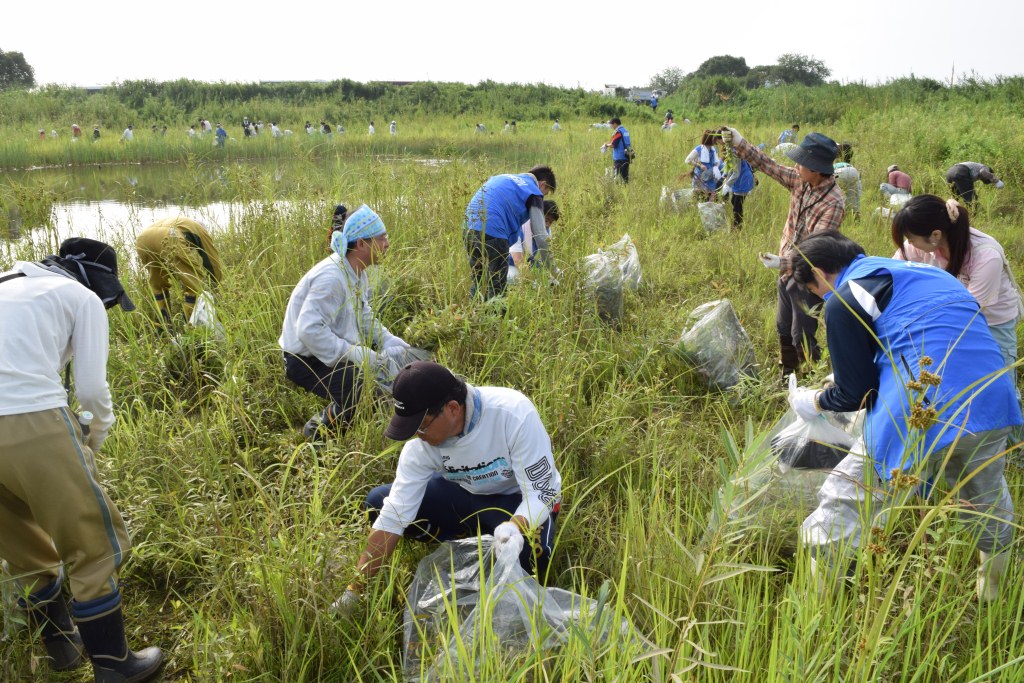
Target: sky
pixel 586 44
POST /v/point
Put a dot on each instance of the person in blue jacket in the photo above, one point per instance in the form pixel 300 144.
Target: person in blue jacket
pixel 908 343
pixel 494 217
pixel 739 182
pixel 622 149
pixel 222 135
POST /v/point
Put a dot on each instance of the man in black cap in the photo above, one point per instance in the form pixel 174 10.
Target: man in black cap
pixel 56 518
pixel 816 203
pixel 478 461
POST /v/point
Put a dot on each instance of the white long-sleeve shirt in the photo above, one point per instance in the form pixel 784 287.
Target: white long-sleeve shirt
pixel 505 449
pixel 47 319
pixel 329 318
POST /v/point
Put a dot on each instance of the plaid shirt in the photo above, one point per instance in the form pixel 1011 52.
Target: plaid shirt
pixel 811 208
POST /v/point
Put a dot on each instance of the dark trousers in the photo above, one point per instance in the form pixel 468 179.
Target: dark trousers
pixel 737 209
pixel 795 324
pixel 449 511
pixel 339 384
pixel 961 183
pixel 622 169
pixel 488 259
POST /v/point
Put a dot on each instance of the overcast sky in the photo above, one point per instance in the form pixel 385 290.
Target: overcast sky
pixel 556 42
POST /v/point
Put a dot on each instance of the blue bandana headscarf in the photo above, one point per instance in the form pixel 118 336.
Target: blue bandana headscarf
pixel 363 223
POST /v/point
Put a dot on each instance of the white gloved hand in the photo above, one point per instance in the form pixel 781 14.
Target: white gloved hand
pixel 770 260
pixel 604 148
pixel 802 400
pixel 731 136
pixel 508 539
pixel 999 184
pixel 396 343
pixel 347 604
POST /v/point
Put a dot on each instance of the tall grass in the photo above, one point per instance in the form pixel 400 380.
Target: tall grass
pixel 244 534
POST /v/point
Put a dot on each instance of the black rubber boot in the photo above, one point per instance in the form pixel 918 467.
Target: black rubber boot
pixel 112 660
pixel 48 615
pixel 789 357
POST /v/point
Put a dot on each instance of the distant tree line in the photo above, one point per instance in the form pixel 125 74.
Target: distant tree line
pixel 791 69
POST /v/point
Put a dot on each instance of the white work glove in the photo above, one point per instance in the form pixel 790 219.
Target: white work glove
pixel 801 400
pixel 395 343
pixel 999 184
pixel 364 356
pixel 770 260
pixel 347 604
pixel 508 539
pixel 731 136
pixel 604 148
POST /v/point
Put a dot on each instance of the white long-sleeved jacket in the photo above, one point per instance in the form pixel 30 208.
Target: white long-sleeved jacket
pixel 329 318
pixel 47 319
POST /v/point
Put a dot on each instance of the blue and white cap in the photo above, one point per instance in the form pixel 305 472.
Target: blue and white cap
pixel 363 223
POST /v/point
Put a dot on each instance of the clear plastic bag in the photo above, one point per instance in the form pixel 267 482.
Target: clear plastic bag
pixel 770 491
pixel 712 216
pixel 716 344
pixel 204 314
pixel 609 272
pixel 469 606
pixel 677 199
pixel 898 200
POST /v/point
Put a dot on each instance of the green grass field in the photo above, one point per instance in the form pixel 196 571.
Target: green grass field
pixel 244 535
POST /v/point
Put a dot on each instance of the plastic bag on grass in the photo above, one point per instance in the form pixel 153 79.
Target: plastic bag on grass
pixel 677 199
pixel 770 491
pixel 712 216
pixel 898 200
pixel 469 605
pixel 609 272
pixel 716 344
pixel 204 315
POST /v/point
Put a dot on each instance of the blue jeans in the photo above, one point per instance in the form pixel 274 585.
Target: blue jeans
pixel 449 511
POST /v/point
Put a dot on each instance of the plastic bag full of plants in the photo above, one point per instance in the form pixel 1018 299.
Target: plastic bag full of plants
pixel 772 486
pixel 472 610
pixel 712 216
pixel 609 273
pixel 716 345
pixel 676 199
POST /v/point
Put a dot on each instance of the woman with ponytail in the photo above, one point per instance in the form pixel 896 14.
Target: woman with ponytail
pixel 930 230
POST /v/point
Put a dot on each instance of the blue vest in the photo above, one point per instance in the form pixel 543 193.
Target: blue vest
pixel 931 314
pixel 498 209
pixel 745 181
pixel 619 149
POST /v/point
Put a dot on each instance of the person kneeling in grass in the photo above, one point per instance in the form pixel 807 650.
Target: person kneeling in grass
pixel 480 463
pixel 909 343
pixel 330 333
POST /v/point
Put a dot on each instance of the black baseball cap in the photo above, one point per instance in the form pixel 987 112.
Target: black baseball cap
pixel 419 386
pixel 94 264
